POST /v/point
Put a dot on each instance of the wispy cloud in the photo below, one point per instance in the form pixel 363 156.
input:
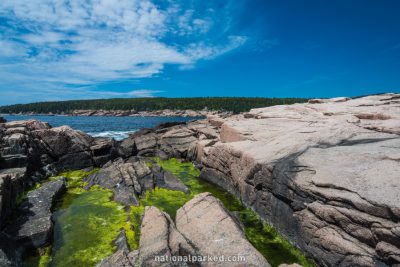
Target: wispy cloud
pixel 134 93
pixel 55 44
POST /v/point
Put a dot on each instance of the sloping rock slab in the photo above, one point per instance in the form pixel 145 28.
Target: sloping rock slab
pixel 159 237
pixel 213 231
pixel 33 227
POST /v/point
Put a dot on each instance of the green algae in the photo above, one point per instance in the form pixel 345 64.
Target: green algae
pixel 86 223
pixel 45 257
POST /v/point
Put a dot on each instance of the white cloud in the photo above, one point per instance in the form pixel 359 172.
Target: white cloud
pixel 201 50
pixel 134 93
pixel 55 43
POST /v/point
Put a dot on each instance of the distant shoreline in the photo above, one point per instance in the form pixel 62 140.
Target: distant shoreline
pixel 127 113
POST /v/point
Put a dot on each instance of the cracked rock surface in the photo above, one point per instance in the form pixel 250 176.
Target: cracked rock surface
pixel 326 174
pixel 214 231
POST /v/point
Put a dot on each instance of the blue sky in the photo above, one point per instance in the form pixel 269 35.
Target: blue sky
pixel 82 49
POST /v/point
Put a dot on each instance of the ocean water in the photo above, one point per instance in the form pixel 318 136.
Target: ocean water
pixel 115 127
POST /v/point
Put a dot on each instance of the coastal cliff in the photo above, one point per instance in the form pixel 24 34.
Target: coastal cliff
pixel 325 174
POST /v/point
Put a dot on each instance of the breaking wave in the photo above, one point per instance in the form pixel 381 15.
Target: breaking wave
pixel 117 135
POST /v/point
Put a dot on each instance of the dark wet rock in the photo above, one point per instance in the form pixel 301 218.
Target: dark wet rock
pixel 125 195
pixel 103 150
pixel 125 178
pixel 2 120
pixel 127 148
pixel 12 185
pixel 6 201
pixel 162 155
pixel 10 252
pixel 214 231
pixel 165 179
pixel 159 237
pixel 169 181
pixel 121 242
pixel 32 228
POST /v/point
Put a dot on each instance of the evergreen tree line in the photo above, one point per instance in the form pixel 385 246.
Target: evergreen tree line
pixel 234 104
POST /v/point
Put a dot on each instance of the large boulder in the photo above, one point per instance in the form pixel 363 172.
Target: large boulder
pixel 32 229
pixel 215 232
pixel 160 238
pixel 324 173
pixel 70 147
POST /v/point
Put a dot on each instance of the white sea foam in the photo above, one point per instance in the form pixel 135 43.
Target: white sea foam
pixel 117 135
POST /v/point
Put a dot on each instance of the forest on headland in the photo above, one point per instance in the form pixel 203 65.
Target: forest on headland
pixel 233 104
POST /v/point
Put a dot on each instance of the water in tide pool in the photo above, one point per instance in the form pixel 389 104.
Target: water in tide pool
pixel 116 127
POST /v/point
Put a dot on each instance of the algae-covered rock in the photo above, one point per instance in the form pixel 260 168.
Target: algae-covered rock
pixel 133 177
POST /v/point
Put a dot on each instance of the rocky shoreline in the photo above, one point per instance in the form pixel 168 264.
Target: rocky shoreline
pixel 134 113
pixel 324 174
